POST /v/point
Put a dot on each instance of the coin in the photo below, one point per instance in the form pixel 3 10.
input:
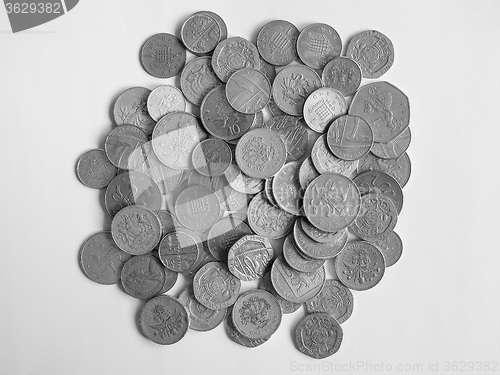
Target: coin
pixel 215 183
pixel 234 54
pixel 211 157
pixel 268 191
pixel 384 107
pixel 256 314
pixel 307 172
pixel 94 169
pixel 131 108
pixel 273 107
pixel 332 202
pixel 219 20
pixel 163 55
pixel 142 276
pixel 243 183
pixel 215 287
pixel 175 137
pixel 323 106
pixel 124 146
pixel 380 183
pixel 293 285
pixel 277 42
pixel 260 153
pixel 268 221
pixel 287 307
pixel 179 250
pixel 325 162
pixel 360 266
pixel 317 44
pixel 318 335
pixel 349 137
pixel 130 188
pixel 200 33
pixel 164 320
pixel 249 257
pixel 198 78
pixel 220 119
pixel 136 229
pixel 168 221
pixel 248 90
pixel 101 260
pixel 232 200
pixel 319 235
pixel 295 259
pixel 237 337
pixel 335 299
pixel 197 208
pixel 373 51
pixel 163 100
pixel 286 188
pixel 317 250
pixel 342 74
pixel 395 147
pixel 223 235
pixel 170 279
pixel 268 70
pixel 201 318
pixel 399 169
pixel 391 248
pixel 292 86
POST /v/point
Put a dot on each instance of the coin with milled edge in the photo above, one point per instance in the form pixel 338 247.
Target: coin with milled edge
pixel 234 54
pixel 163 55
pixel 318 250
pixel 325 162
pixel 125 146
pixel 268 221
pixel 342 74
pixel 248 90
pixel 256 314
pixel 237 337
pixel 349 137
pixel 131 108
pixel 319 235
pixel 317 44
pixel 197 208
pixel 163 100
pixel 94 169
pixel 243 183
pixel 211 157
pixel 164 320
pixel 335 299
pixel 223 235
pixel 360 266
pixel 286 188
pixel 373 51
pixel 318 335
pixel 200 33
pixel 395 147
pixel 142 276
pixel 198 78
pixel 380 183
pixel 179 250
pixel 399 168
pixel 391 248
pixel 215 287
pixel 295 259
pixel 307 172
pixel 322 107
pixel 277 42
pixel 249 257
pixel 287 307
pixel 201 318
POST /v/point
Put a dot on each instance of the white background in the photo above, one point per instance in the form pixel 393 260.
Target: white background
pixel 439 303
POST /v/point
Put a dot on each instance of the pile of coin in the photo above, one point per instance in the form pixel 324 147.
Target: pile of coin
pixel 288 165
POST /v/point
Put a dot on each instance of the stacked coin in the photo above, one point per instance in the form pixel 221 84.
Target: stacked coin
pixel 234 195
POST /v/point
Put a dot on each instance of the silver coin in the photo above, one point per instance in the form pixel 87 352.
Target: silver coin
pixel 317 250
pixel 360 266
pixel 248 91
pixel 101 260
pixel 260 153
pixel 163 100
pixel 131 108
pixel 131 188
pixel 373 51
pixel 219 20
pixel 323 106
pixel 273 107
pixel 349 137
pixel 237 337
pixel 249 257
pixel 256 314
pixel 174 138
pixel 201 318
pixel 335 299
pixel 380 183
pixel 268 70
pixel 94 169
pixel 125 146
pixel 391 248
pixel 197 208
pixel 332 202
pixel 201 33
pixel 224 234
pixel 142 276
pixel 215 183
pixel 232 201
pixel 286 188
pixel 204 258
pixel 287 307
pixel 168 221
pixel 277 42
pixel 296 286
pixel 163 55
pixel 318 335
pixel 384 107
pixel 395 147
pixel 211 157
pixel 164 320
pixel 399 168
pixel 268 221
pixel 268 191
pixel 234 54
pixel 170 280
pixel 342 74
pixel 317 44
pixel 307 172
pixel 292 86
pixel 220 119
pixel 243 183
pixel 198 78
pixel 319 235
pixel 295 259
pixel 179 250
pixel 215 287
pixel 136 229
pixel 325 162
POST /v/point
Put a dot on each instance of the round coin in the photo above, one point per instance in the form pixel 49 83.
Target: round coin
pixel 273 107
pixel 317 250
pixel 277 42
pixel 317 44
pixel 131 108
pixel 198 79
pixel 197 208
pixel 268 221
pixel 234 54
pixel 248 90
pixel 223 235
pixel 342 74
pixel 238 338
pixel 349 137
pixel 325 162
pixel 249 257
pixel 168 221
pixel 295 259
pixel 307 172
pixel 318 335
pixel 124 146
pixel 394 148
pixel 322 107
pixel 163 100
pixel 286 188
pixel 243 183
pixel 219 20
pixel 163 55
pixel 179 250
pixel 319 235
pixel 200 33
pixel 142 276
pixel 391 248
pixel 399 168
pixel 335 299
pixel 268 191
pixel 215 287
pixel 380 183
pixel 212 157
pixel 268 70
pixel 287 307
pixel 170 279
pixel 94 169
pixel 201 318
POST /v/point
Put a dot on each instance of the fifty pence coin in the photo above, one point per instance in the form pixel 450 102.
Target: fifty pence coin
pixel 211 157
pixel 201 318
pixel 307 172
pixel 342 74
pixel 295 259
pixel 380 183
pixel 248 90
pixel 335 299
pixel 322 107
pixel 349 137
pixel 317 44
pixel 249 257
pixel 395 147
pixel 234 54
pixel 131 108
pixel 179 250
pixel 224 234
pixel 399 168
pixel 165 99
pixel 94 169
pixel 325 162
pixel 286 188
pixel 163 55
pixel 287 307
pixel 200 33
pixel 318 335
pixel 215 287
pixel 197 208
pixel 142 276
pixel 268 221
pixel 277 42
pixel 125 146
pixel 317 250
pixel 198 78
pixel 391 248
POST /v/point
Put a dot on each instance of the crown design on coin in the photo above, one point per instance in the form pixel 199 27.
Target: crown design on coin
pixel 319 335
pixel 342 76
pixel 371 53
pixel 235 56
pixel 360 269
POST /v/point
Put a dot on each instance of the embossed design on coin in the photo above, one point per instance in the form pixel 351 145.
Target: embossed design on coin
pixel 286 188
pixel 237 337
pixel 200 33
pixel 335 299
pixel 317 44
pixel 234 54
pixel 248 91
pixel 125 146
pixel 179 250
pixel 287 307
pixel 322 107
pixel 317 250
pixel 295 259
pixel 224 234
pixel 399 168
pixel 273 107
pixel 391 248
pixel 201 318
pixel 163 55
pixel 325 162
pixel 142 276
pixel 94 169
pixel 249 257
pixel 267 220
pixel 131 108
pixel 198 79
pixel 380 183
pixel 307 172
pixel 212 157
pixel 318 335
pixel 319 235
pixel 197 208
pixel 342 74
pixel 395 147
pixel 349 137
pixel 243 183
pixel 277 42
pixel 163 100
pixel 215 287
